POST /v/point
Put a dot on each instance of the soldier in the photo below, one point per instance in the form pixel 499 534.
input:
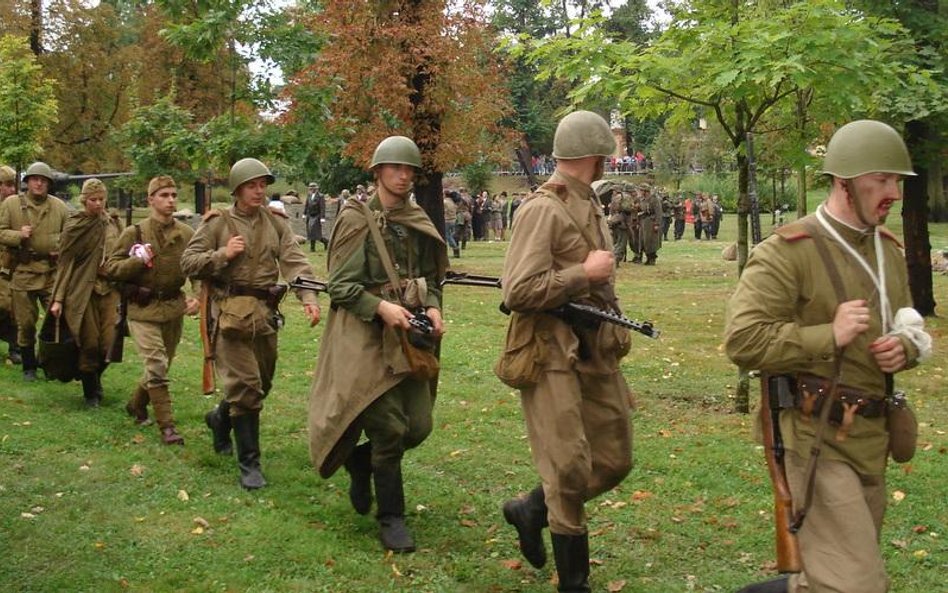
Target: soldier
pixel 240 253
pixel 576 406
pixel 450 220
pixel 315 212
pixel 381 396
pixel 30 225
pixel 82 294
pixel 147 261
pixel 827 299
pixel 7 320
pixel 678 211
pixel 618 221
pixel 717 213
pixel 706 213
pixel 666 215
pixel 650 224
pixel 696 203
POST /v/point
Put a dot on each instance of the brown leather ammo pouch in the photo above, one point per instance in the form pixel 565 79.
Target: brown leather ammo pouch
pixel 424 364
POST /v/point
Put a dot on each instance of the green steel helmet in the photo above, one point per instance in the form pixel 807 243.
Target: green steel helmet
pixel 581 134
pixel 397 150
pixel 866 146
pixel 39 168
pixel 246 169
pixel 7 174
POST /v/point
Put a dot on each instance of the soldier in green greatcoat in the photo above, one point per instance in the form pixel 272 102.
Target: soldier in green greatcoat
pixel 379 396
pixel 7 320
pixel 30 226
pixel 147 262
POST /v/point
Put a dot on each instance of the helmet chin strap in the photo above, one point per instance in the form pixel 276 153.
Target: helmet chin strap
pixel 852 197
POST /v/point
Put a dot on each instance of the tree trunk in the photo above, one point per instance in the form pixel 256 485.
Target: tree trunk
pixel 36 26
pixel 524 156
pixel 801 191
pixel 429 195
pixel 742 395
pixel 915 223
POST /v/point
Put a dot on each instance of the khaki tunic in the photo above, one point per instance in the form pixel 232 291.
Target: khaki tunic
pixel 342 391
pixel 780 321
pixel 577 415
pixel 32 280
pixel 246 366
pixel 156 326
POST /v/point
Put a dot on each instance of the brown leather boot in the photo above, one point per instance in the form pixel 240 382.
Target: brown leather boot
pixel 161 404
pixel 137 406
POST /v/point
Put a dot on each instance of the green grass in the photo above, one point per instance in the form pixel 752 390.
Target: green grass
pixel 693 515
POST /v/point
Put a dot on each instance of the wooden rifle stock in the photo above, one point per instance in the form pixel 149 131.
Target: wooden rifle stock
pixel 788 550
pixel 117 349
pixel 207 376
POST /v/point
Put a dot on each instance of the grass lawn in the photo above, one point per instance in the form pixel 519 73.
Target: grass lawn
pixel 88 502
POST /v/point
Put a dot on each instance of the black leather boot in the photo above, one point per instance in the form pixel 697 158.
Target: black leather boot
pixel 28 354
pixel 359 466
pixel 528 516
pixel 650 259
pixel 390 495
pixel 571 554
pixel 218 420
pixel 247 436
pixel 90 389
pixel 778 585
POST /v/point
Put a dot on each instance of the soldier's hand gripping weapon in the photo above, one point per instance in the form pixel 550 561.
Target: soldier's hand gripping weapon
pixel 570 312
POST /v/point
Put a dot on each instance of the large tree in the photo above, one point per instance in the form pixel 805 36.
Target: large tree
pixel 418 68
pixel 28 106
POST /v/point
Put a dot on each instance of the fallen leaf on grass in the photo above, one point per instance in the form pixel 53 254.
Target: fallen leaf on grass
pixel 920 528
pixel 197 530
pixel 100 545
pixel 37 510
pixel 395 570
pixel 920 554
pixel 898 496
pixel 183 496
pixel 595 561
pixel 248 557
pixel 136 470
pixel 138 439
pixel 615 586
pixel 640 495
pixel 511 564
pixel 899 543
pixel 28 515
pixel 202 522
pixel 468 523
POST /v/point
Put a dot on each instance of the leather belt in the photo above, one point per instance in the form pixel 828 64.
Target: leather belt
pixel 238 290
pixel 812 391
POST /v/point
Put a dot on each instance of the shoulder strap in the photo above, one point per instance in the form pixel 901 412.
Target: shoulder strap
pixel 831 269
pixel 587 235
pixel 382 249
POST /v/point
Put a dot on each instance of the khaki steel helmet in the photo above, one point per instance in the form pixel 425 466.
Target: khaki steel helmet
pixel 39 168
pixel 397 150
pixel 7 174
pixel 866 146
pixel 246 169
pixel 581 134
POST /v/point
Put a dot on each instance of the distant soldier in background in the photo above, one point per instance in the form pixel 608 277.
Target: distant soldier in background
pixel 650 220
pixel 678 212
pixel 717 213
pixel 450 221
pixel 82 294
pixel 315 212
pixel 7 320
pixel 147 260
pixel 620 208
pixel 30 225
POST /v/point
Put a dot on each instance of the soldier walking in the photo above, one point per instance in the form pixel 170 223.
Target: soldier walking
pixel 315 212
pixel 30 225
pixel 82 294
pixel 7 319
pixel 240 253
pixel 377 285
pixel 826 301
pixel 147 261
pixel 576 405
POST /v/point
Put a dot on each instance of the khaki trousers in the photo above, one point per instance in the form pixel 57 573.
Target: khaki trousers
pixel 246 367
pixel 400 419
pixel 26 304
pixel 97 331
pixel 839 540
pixel 156 342
pixel 581 439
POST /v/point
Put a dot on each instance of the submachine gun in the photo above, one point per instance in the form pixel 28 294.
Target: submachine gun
pixel 419 321
pixel 570 312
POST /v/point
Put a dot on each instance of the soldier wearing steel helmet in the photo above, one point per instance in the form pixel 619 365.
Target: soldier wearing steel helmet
pixel 30 225
pixel 241 253
pixel 576 405
pixel 379 397
pixel 827 297
pixel 7 321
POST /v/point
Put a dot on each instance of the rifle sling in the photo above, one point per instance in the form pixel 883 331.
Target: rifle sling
pixel 833 271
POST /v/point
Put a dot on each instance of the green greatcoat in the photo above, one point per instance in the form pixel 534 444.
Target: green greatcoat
pixel 358 360
pixel 780 320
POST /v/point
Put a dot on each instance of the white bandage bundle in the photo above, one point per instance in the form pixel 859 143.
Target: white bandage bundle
pixel 909 323
pixel 142 251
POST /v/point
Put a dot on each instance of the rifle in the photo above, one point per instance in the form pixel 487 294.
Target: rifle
pixel 207 342
pixel 775 395
pixel 309 284
pixel 570 312
pixel 117 349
